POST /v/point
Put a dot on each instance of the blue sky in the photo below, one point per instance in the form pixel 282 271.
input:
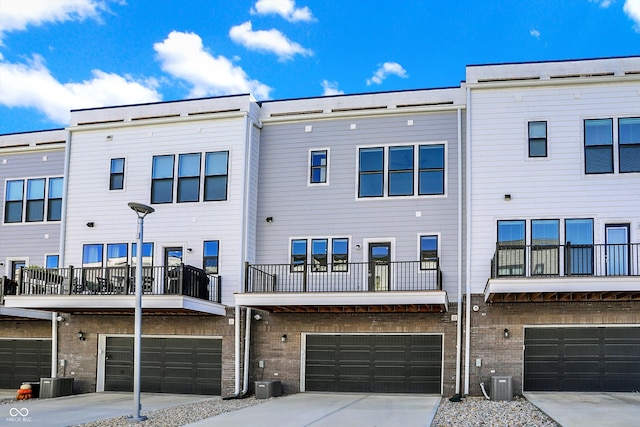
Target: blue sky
pixel 58 55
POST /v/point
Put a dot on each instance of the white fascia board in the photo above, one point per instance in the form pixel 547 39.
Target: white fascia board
pixel 342 298
pixel 573 284
pixel 21 312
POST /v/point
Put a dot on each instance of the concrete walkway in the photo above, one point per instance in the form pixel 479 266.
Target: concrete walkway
pixel 334 410
pixel 589 409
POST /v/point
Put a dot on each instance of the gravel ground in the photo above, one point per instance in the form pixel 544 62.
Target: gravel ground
pixel 478 411
pixel 470 412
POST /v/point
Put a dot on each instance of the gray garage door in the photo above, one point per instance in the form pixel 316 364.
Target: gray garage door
pixel 24 360
pixel 374 363
pixel 168 365
pixel 582 359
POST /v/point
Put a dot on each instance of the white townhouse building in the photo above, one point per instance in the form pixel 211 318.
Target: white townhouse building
pixel 554 224
pixel 31 181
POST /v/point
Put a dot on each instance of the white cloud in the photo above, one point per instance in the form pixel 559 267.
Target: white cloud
pixel 285 8
pixel 385 70
pixel 534 33
pixel 16 15
pixel 33 86
pixel 330 88
pixel 632 9
pixel 272 41
pixel 184 57
pixel 603 3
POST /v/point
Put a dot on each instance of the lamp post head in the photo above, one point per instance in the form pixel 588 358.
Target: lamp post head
pixel 140 209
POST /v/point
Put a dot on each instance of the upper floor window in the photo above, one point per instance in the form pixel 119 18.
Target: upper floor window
pixel 579 241
pixel 598 146
pixel 537 139
pixel 162 179
pixel 629 144
pixel 428 252
pixel 211 253
pixel 147 254
pixel 319 253
pixel 216 176
pixel 318 167
pixel 298 255
pixel 52 261
pixel 116 174
pixel 511 248
pixel 545 241
pixel 189 177
pixel 92 255
pixel 29 202
pixel 397 166
pixel 339 254
pixel 117 254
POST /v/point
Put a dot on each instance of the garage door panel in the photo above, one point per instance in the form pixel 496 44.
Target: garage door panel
pixel 585 359
pixel 24 360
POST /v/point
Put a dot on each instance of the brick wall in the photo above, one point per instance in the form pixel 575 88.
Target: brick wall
pixel 505 356
pixel 25 328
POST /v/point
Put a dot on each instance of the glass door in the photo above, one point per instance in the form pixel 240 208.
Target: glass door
pixel 379 266
pixel 617 249
pixel 173 273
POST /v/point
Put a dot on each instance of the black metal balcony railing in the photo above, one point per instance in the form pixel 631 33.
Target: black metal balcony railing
pixel 345 277
pixel 566 260
pixel 178 280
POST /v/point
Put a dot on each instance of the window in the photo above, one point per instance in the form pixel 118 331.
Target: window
pixel 188 178
pixel 117 254
pixel 431 174
pixel 92 255
pixel 35 200
pixel 340 254
pixel 210 256
pixel 147 254
pixel 13 201
pixel 545 241
pixel 54 206
pixel 598 146
pixel 116 175
pixel 511 248
pixel 401 171
pixel 318 173
pixel 537 139
pixel 319 254
pixel 371 172
pixel 579 241
pixel 52 261
pixel 216 176
pixel 428 252
pixel 629 144
pixel 298 255
pixel 162 179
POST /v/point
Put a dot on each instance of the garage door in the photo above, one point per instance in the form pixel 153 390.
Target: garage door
pixel 582 359
pixel 374 363
pixel 24 360
pixel 168 365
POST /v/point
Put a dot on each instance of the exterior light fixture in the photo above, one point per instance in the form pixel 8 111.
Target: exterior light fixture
pixel 507 197
pixel 506 333
pixel 284 338
pixel 257 317
pixel 91 224
pixel 269 219
pixel 81 336
pixel 141 211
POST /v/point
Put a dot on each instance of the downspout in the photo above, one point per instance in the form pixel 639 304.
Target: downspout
pixel 54 345
pixel 459 297
pixel 247 343
pixel 236 389
pixel 468 249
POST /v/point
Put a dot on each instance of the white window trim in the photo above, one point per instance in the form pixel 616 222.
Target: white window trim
pixel 526 140
pixel 418 249
pixel 308 170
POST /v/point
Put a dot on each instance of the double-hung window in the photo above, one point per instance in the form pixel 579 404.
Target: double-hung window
pixel 216 175
pixel 598 146
pixel 629 144
pixel 545 241
pixel 116 174
pixel 13 201
pixel 92 255
pixel 54 203
pixel 401 171
pixel 318 166
pixel 162 179
pixel 511 248
pixel 211 254
pixel 431 173
pixel 117 254
pixel 371 174
pixel 35 200
pixel 428 252
pixel 537 139
pixel 188 178
pixel 319 254
pixel 147 254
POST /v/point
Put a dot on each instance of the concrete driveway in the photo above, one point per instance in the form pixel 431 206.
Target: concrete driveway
pixel 334 410
pixel 589 409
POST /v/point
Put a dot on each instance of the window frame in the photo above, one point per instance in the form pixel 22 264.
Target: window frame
pixel 9 202
pixel 86 247
pixel 339 260
pixel 428 263
pixel 540 248
pixel 186 177
pixel 37 200
pixel 598 147
pixel 55 257
pixel 155 181
pixel 635 145
pixel 109 256
pixel 295 257
pixel 322 167
pixel 442 169
pixel 319 260
pixel 146 247
pixel 115 175
pixel 394 172
pixel 512 248
pixel 371 172
pixel 206 257
pixel 57 200
pixel 213 177
pixel 585 248
pixel 534 138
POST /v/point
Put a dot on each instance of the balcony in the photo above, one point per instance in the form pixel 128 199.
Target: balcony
pixel 544 273
pixel 179 289
pixel 400 286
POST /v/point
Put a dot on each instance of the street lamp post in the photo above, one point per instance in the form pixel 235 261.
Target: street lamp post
pixel 141 211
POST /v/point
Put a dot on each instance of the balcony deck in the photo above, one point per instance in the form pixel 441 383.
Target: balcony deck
pixel 181 289
pixel 401 286
pixel 547 273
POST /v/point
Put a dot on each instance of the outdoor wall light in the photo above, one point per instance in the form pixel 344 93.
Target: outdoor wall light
pixel 358 247
pixel 81 336
pixel 284 338
pixel 506 333
pixel 189 250
pixel 60 319
pixel 269 219
pixel 257 317
pixel 91 224
pixel 507 197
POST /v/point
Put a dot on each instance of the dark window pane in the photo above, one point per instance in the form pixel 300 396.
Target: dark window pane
pixel 511 250
pixel 162 191
pixel 210 256
pixel 629 135
pixel 188 189
pixel 630 158
pixel 319 166
pixel 431 174
pixel 371 185
pixel 545 241
pixel 537 147
pixel 340 254
pixel 54 210
pixel 431 183
pixel 432 156
pixel 35 200
pixel 215 188
pixel 579 239
pixel 319 249
pixel 216 176
pixel 401 184
pixel 13 211
pixel 428 252
pixel 598 132
pixel 298 255
pixel 371 159
pixel 116 178
pixel 400 171
pixel 599 159
pixel 598 142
